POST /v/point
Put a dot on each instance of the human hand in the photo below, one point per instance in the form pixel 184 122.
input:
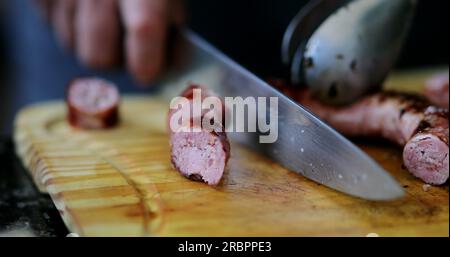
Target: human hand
pixel 96 30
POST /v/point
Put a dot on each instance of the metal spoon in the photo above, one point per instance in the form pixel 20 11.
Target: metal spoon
pixel 350 53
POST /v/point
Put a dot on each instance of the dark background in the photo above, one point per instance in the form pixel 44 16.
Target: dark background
pixel 251 31
pixel 34 68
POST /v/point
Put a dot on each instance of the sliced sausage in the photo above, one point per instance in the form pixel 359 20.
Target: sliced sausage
pixel 202 155
pixel 436 89
pixel 93 103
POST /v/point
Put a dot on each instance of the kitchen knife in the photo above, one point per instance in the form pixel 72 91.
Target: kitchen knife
pixel 305 144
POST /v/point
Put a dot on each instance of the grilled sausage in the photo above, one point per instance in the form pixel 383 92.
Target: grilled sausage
pixel 93 103
pixel 203 155
pixel 408 120
pixel 436 90
pixel 426 154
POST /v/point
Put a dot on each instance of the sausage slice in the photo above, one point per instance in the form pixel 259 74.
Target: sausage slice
pixel 93 103
pixel 203 155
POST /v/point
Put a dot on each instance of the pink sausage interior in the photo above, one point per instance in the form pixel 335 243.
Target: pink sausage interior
pixel 93 95
pixel 426 157
pixel 199 155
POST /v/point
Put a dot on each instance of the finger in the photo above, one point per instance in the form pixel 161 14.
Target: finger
pixel 63 21
pixel 145 24
pixel 177 12
pixel 45 7
pixel 97 32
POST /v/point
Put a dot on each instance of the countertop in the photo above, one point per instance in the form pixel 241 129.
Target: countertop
pixel 24 211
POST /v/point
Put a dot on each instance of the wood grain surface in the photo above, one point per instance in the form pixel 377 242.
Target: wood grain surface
pixel 120 183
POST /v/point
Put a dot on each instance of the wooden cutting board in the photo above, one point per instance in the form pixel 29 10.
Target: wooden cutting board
pixel 121 182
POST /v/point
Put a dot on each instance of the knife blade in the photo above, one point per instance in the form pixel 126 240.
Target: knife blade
pixel 305 144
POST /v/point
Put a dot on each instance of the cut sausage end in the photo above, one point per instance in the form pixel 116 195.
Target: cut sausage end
pixel 92 95
pixel 426 157
pixel 200 155
pixel 92 103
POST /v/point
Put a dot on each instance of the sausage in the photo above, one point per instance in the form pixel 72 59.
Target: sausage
pixel 93 103
pixel 408 120
pixel 436 89
pixel 203 155
pixel 426 154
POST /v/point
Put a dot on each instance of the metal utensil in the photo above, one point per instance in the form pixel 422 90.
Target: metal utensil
pixel 350 53
pixel 305 144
